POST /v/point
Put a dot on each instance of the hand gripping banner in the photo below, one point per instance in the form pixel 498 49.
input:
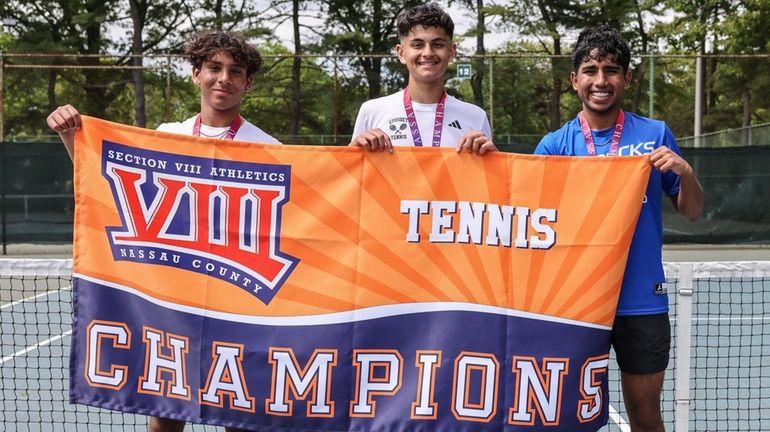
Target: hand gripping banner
pixel 289 288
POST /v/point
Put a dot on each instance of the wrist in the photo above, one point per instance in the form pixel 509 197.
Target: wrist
pixel 688 171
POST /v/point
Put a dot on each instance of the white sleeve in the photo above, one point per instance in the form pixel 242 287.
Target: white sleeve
pixel 362 121
pixel 485 128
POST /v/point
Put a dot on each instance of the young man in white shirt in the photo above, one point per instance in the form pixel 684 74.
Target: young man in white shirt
pixel 223 66
pixel 423 114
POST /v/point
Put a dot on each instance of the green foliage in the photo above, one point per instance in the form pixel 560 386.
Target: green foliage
pixel 6 41
pixel 268 103
pixel 519 101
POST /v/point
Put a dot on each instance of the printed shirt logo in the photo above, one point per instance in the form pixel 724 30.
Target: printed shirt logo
pixel 216 217
pixel 397 128
pixel 455 124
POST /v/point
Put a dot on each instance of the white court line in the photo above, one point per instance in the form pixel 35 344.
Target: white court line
pixel 619 420
pixel 35 297
pixel 34 347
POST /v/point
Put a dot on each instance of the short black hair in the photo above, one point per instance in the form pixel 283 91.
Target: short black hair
pixel 608 44
pixel 205 45
pixel 426 15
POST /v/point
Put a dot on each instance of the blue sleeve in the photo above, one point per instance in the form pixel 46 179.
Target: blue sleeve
pixel 547 146
pixel 669 180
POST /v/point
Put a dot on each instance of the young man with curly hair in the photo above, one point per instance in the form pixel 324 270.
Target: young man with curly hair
pixel 223 67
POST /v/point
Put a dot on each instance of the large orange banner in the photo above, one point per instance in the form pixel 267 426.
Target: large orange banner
pixel 324 288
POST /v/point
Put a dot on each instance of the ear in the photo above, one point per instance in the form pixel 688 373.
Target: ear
pixel 573 80
pixel 627 79
pixel 249 81
pixel 452 51
pixel 195 72
pixel 400 53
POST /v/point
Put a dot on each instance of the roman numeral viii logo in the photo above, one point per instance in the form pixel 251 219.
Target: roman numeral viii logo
pixel 216 217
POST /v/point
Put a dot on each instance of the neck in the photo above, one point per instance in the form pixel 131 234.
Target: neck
pixel 217 118
pixel 601 120
pixel 427 93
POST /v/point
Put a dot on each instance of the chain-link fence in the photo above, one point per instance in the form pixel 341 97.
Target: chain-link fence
pixel 315 99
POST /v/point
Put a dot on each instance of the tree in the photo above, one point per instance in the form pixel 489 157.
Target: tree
pixel 69 26
pixel 745 33
pixel 270 98
pixel 294 11
pixel 479 30
pixel 363 28
pixel 552 19
pixel 697 21
pixel 159 20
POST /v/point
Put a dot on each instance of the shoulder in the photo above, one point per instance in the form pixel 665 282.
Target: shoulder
pixel 645 128
pixel 467 114
pixel 566 131
pixel 558 142
pixel 251 133
pixel 184 127
pixel 637 120
pixel 463 106
pixel 384 102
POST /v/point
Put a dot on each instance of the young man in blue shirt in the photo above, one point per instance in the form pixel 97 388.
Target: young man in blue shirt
pixel 641 335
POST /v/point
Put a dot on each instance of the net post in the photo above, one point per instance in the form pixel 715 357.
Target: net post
pixel 683 348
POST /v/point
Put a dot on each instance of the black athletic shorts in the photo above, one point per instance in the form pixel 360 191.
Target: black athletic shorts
pixel 642 343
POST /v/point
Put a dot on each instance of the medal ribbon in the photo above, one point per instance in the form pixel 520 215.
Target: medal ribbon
pixel 589 137
pixel 412 120
pixel 234 126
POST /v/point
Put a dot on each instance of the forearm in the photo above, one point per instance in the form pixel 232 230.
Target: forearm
pixel 689 201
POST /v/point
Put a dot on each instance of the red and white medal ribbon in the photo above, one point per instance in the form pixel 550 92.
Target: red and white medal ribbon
pixel 589 137
pixel 234 126
pixel 438 123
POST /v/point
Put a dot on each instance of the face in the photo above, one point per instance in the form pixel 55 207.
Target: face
pixel 222 82
pixel 600 84
pixel 426 52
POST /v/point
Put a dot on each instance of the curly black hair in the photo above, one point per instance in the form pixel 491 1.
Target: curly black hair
pixel 426 15
pixel 608 44
pixel 203 46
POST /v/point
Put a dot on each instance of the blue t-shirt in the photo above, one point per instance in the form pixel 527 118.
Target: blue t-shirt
pixel 642 292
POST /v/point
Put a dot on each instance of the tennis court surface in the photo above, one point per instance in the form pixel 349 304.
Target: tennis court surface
pixel 728 387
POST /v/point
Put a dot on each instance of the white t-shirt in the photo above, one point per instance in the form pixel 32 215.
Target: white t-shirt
pixel 247 131
pixel 388 113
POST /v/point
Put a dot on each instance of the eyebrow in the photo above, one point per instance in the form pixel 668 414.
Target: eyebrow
pixel 596 66
pixel 218 63
pixel 438 39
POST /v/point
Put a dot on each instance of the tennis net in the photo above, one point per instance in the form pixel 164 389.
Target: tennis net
pixel 718 379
